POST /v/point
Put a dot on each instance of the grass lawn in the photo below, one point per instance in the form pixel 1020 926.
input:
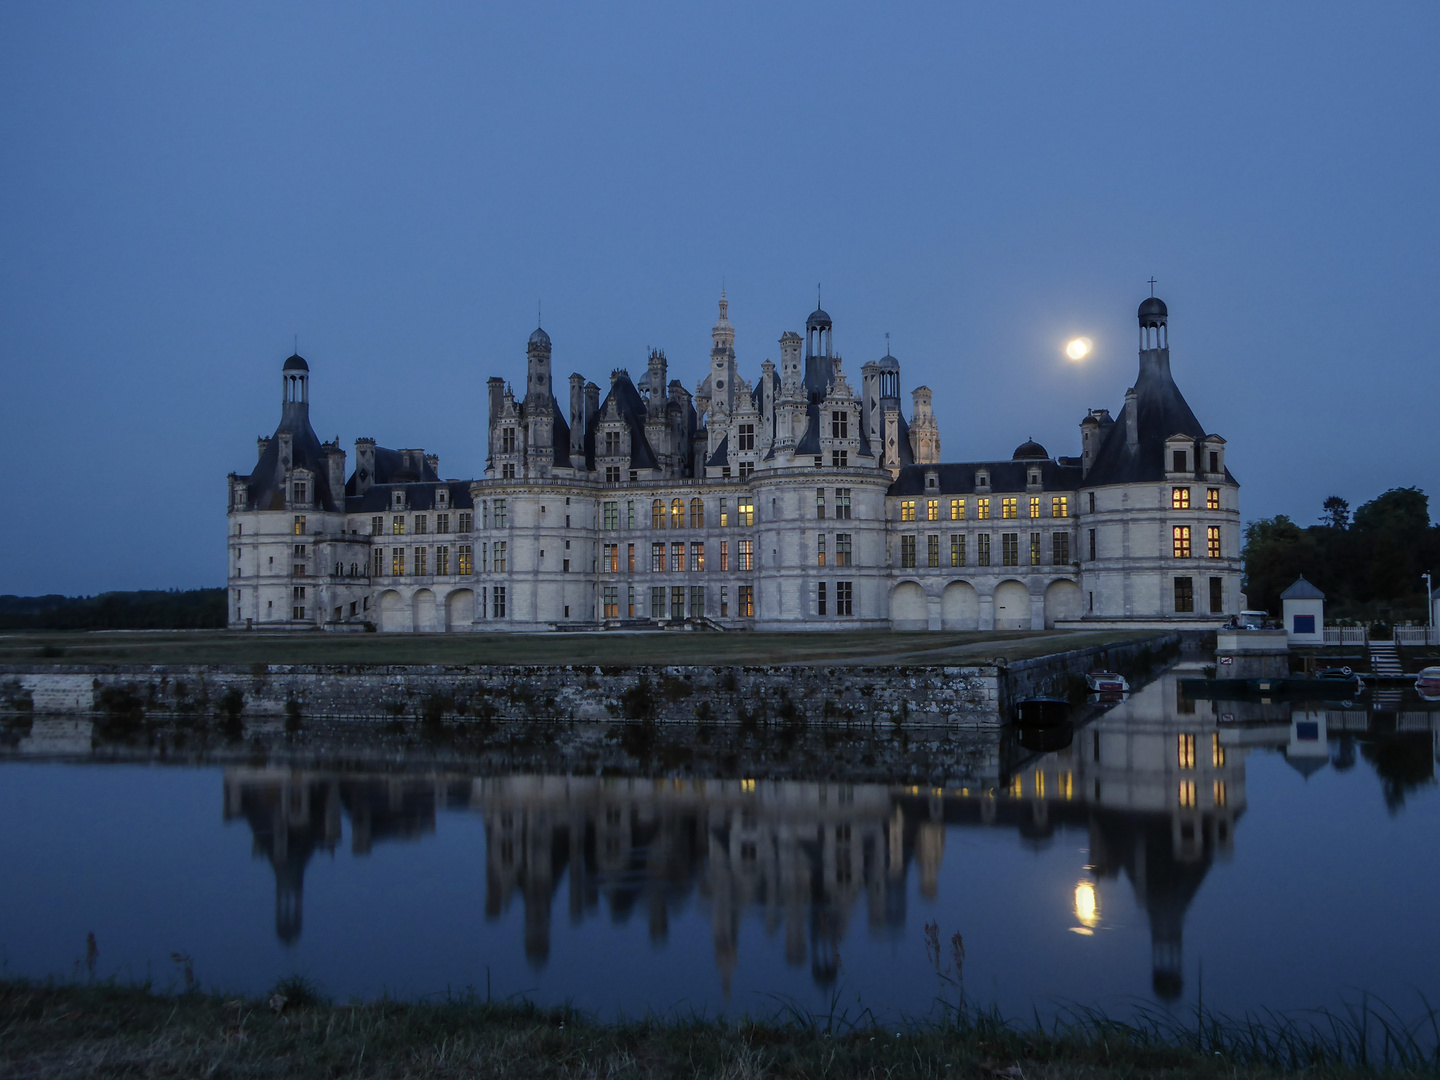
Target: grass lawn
pixel 672 647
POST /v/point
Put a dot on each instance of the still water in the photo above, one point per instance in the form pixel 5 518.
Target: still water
pixel 1278 856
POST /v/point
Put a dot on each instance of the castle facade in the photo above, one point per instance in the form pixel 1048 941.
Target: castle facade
pixel 794 501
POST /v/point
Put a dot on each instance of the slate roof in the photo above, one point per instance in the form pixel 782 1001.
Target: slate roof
pixel 1161 412
pixel 1302 590
pixel 721 457
pixel 632 410
pixel 1006 477
pixel 418 496
pixel 266 485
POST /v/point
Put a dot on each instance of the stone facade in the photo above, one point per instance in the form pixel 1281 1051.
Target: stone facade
pixel 793 502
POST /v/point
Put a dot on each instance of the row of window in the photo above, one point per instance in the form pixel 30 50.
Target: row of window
pixel 420 526
pixel 670 602
pixel 1185 751
pixel 1065 789
pixel 960 509
pixel 1185 595
pixel 1180 498
pixel 960 552
pixel 418 560
pixel 1180 541
pixel 678 557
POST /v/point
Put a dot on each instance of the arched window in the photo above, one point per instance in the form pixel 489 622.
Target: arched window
pixel 677 514
pixel 657 514
pixel 697 513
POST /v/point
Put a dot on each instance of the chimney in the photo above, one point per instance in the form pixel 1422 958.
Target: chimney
pixel 592 402
pixel 577 414
pixel 364 465
pixel 432 462
pixel 262 444
pixel 496 387
pixel 1132 420
pixel 335 458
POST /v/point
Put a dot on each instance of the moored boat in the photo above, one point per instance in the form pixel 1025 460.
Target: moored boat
pixel 1042 712
pixel 1107 682
pixel 1427 681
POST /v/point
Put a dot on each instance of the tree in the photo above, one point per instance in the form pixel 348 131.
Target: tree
pixel 1398 510
pixel 1337 513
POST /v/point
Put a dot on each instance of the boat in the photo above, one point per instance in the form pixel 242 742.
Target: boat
pixel 1105 699
pixel 1042 712
pixel 1107 682
pixel 1427 683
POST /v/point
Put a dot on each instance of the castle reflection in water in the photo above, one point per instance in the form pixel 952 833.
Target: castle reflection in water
pixel 1155 782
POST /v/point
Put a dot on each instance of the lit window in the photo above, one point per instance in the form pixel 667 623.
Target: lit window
pixel 697 558
pixel 299 524
pixel 724 515
pixel 932 550
pixel 820 550
pixel 397 562
pixel 1219 792
pixel 842 549
pixel 907 551
pixel 932 509
pixel 745 511
pixel 1185 753
pixel 745 600
pixel 610 598
pixel 982 550
pixel 907 510
pixel 1212 541
pixel 842 503
pixel 697 513
pixel 677 514
pixel 957 509
pixel 1010 507
pixel 1180 541
pixel 1212 498
pixel 982 509
pixel 1187 792
pixel 610 563
pixel 1180 498
pixel 1217 752
pixel 746 555
pixel 1034 549
pixel 1010 549
pixel 629 558
pixel 724 554
pixel 957 550
pixel 657 558
pixel 1060 506
pixel 657 514
pixel 677 558
pixel 1034 506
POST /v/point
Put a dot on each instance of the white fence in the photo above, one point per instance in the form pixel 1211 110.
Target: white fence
pixel 1347 635
pixel 1413 635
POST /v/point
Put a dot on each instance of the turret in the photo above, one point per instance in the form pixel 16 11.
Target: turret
pixel 538 408
pixel 924 430
pixel 577 418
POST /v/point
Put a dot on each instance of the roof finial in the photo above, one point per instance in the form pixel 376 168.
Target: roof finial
pixel 539 313
pixel 818 305
pixel 887 342
pixel 1152 285
pixel 297 344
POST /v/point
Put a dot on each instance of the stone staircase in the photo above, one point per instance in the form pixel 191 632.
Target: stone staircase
pixel 1384 663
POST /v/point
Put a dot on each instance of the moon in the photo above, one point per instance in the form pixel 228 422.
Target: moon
pixel 1079 348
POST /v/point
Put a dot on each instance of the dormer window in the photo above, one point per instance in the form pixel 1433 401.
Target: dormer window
pixel 840 424
pixel 1034 477
pixel 982 479
pixel 507 440
pixel 932 481
pixel 397 499
pixel 442 498
pixel 1180 458
pixel 299 491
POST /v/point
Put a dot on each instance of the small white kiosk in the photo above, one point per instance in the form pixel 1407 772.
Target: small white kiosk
pixel 1304 613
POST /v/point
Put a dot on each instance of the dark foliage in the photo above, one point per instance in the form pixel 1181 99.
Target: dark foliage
pixel 1368 569
pixel 174 609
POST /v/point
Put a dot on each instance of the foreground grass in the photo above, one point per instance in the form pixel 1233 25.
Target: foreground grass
pixel 106 1030
pixel 664 648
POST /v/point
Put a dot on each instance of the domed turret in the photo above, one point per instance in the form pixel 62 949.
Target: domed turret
pixel 818 320
pixel 1030 450
pixel 296 363
pixel 295 382
pixel 1154 333
pixel 540 338
pixel 1152 307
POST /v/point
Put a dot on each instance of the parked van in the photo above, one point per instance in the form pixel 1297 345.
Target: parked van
pixel 1253 620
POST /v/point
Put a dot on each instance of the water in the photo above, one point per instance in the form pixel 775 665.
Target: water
pixel 1161 852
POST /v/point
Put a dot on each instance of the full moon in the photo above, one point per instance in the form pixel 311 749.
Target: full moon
pixel 1078 349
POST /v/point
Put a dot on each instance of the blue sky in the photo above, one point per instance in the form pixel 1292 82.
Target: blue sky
pixel 184 188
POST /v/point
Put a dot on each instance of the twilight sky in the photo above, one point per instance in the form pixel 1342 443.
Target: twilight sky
pixel 183 188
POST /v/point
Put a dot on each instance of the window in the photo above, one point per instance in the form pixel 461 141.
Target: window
pixel 1184 594
pixel 297 592
pixel 1217 595
pixel 1035 549
pixel 907 510
pixel 1092 545
pixel 1217 752
pixel 657 602
pixel 907 551
pixel 1212 541
pixel 610 515
pixel 397 562
pixel 982 550
pixel 1059 506
pixel 745 434
pixel 724 601
pixel 677 514
pixel 297 612
pixel 820 598
pixel 442 523
pixel 957 550
pixel 697 558
pixel 467 518
pixel 982 509
pixel 1010 549
pixel 397 526
pixel 932 551
pixel 1180 541
pixel 1034 506
pixel 677 602
pixel 839 459
pixel 820 550
pixel 820 504
pixel 612 474
pixel 697 601
pixel 500 556
pixel 1186 751
pixel 697 513
pixel 932 509
pixel 677 558
pixel 610 602
pixel 299 524
pixel 1180 498
pixel 1179 461
pixel 844 598
pixel 1214 461
pixel 507 471
pixel 1187 792
pixel 745 601
pixel 745 511
pixel 420 560
pixel 842 549
pixel 378 562
pixel 421 524
pixel 842 504
pixel 1010 507
pixel 377 526
pixel 724 554
pixel 840 424
pixel 500 515
pixel 657 558
pixel 507 440
pixel 746 555
pixel 629 558
pixel 610 561
pixel 298 494
pixel 957 509
pixel 657 514
pixel 1219 788
pixel 724 515
pixel 497 595
pixel 442 560
pixel 630 601
pixel 1060 548
pixel 1212 498
pixel 612 445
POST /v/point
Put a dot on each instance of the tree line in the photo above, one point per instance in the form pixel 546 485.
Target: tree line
pixel 172 609
pixel 1369 565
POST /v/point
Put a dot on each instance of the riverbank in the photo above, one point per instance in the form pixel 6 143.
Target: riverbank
pixel 109 1030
